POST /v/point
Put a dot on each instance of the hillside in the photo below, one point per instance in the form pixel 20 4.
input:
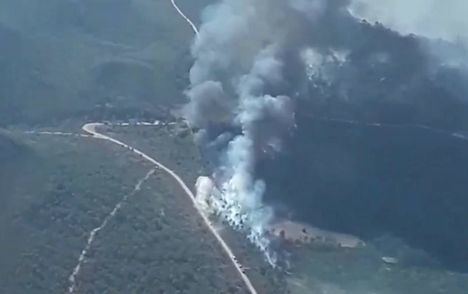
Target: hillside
pixel 65 188
pixel 62 60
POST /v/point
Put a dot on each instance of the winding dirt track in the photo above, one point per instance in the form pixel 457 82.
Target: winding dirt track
pixel 191 24
pixel 187 191
pixel 91 129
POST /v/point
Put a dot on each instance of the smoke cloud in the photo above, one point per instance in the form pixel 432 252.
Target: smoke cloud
pixel 243 52
pixel 258 63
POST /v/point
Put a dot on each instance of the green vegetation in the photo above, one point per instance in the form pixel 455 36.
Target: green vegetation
pixel 65 187
pixel 172 145
pixel 356 271
pixel 155 244
pixel 158 244
pixel 91 59
pixel 56 189
pixel 65 62
pixel 17 164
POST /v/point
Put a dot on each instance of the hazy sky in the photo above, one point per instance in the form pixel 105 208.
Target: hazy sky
pixel 445 19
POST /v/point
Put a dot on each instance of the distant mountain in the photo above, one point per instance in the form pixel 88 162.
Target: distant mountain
pixel 99 59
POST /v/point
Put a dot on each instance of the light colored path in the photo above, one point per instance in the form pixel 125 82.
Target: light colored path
pixel 93 233
pixel 192 25
pixel 91 129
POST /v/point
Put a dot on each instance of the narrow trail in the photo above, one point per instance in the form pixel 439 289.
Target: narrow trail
pixel 91 129
pixel 91 132
pixel 92 235
pixel 191 24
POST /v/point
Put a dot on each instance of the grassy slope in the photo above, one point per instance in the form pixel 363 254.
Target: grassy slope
pixel 16 165
pixel 155 242
pixel 55 200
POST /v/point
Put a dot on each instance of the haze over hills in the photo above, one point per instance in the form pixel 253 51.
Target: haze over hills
pixel 65 59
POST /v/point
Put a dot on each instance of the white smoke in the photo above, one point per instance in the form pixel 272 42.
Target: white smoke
pixel 205 188
pixel 255 59
pixel 238 80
